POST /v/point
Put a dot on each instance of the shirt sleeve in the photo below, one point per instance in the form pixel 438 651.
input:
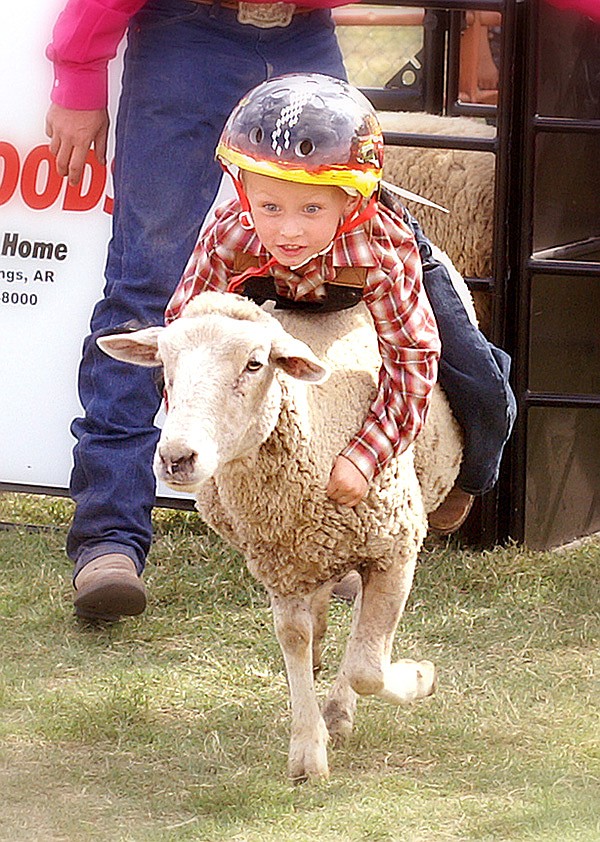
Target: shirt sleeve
pixel 409 346
pixel 85 38
pixel 209 268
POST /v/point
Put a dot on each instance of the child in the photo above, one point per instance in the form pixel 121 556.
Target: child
pixel 305 153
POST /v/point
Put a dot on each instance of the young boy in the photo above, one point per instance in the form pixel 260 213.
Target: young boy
pixel 305 153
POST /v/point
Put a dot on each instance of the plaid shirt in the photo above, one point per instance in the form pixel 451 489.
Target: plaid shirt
pixel 407 334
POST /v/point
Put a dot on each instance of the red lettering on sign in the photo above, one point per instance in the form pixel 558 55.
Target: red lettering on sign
pixel 75 200
pixel 38 160
pixel 41 184
pixel 10 171
pixel 109 202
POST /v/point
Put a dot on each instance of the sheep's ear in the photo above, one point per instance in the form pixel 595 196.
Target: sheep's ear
pixel 140 347
pixel 297 360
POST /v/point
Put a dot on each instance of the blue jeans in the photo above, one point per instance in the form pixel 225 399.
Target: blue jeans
pixel 474 375
pixel 186 66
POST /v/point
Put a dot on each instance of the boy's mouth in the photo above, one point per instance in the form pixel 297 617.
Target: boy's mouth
pixel 291 249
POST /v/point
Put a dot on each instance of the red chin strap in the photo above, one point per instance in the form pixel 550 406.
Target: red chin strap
pixel 355 218
pixel 238 280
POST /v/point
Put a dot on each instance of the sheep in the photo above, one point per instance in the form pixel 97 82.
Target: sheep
pixel 258 408
pixel 461 181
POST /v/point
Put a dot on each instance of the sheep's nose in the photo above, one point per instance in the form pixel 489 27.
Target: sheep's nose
pixel 178 466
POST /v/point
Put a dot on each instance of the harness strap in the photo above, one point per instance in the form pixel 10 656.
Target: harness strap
pixel 349 276
pixel 340 297
pixel 238 280
pixel 343 292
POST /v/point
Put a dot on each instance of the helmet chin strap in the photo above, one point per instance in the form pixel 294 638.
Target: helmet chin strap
pixel 357 216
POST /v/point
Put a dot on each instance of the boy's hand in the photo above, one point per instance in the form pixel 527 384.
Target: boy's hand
pixel 72 133
pixel 346 483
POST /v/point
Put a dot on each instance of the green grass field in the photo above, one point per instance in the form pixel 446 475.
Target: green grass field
pixel 174 725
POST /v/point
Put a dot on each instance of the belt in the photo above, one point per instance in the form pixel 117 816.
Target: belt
pixel 262 15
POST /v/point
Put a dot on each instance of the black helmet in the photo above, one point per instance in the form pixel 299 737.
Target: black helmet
pixel 306 128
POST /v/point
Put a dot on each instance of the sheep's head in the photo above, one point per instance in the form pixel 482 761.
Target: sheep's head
pixel 219 361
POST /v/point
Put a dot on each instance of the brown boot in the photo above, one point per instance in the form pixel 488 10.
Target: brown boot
pixel 452 513
pixel 347 589
pixel 109 587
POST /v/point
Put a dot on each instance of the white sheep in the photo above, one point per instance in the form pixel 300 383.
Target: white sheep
pixel 253 426
pixel 461 181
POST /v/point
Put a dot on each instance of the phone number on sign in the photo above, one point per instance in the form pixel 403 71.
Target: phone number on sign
pixel 18 298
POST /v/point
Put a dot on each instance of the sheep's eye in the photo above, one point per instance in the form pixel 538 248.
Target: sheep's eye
pixel 253 365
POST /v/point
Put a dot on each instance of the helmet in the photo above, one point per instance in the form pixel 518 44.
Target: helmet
pixel 307 128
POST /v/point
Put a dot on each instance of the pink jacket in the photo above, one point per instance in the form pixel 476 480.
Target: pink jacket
pixel 86 37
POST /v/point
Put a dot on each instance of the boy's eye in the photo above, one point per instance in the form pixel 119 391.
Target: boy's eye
pixel 312 208
pixel 271 207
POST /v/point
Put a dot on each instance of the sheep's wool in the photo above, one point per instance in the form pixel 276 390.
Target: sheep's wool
pixel 272 504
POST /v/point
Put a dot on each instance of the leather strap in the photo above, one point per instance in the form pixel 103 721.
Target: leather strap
pixel 347 276
pixel 342 293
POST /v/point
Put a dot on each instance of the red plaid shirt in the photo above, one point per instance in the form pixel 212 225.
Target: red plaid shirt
pixel 407 334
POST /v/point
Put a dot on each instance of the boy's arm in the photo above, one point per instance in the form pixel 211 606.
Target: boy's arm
pixel 409 346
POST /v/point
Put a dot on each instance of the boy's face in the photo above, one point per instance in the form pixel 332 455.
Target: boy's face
pixel 294 221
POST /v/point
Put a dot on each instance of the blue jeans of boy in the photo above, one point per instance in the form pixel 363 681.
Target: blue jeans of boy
pixel 186 66
pixel 474 375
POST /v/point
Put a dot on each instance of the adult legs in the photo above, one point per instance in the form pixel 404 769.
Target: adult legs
pixel 185 68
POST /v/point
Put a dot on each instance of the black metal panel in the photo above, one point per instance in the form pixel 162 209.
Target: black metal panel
pixel 563 467
pixel 568 66
pixel 564 347
pixel 566 188
pixel 556 482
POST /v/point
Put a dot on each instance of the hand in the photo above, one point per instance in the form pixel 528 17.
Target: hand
pixel 347 485
pixel 72 133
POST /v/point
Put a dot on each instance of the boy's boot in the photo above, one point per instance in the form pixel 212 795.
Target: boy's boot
pixel 107 588
pixel 451 513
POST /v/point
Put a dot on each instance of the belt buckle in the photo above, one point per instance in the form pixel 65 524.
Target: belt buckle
pixel 265 15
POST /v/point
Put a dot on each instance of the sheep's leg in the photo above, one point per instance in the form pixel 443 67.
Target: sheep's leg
pixel 308 743
pixel 340 705
pixel 367 666
pixel 319 607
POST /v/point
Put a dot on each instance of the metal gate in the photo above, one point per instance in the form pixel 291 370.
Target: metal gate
pixel 556 453
pixel 545 282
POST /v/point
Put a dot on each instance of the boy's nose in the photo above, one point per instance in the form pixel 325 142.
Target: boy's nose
pixel 291 227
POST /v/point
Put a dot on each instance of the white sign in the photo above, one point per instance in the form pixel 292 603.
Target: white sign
pixel 53 241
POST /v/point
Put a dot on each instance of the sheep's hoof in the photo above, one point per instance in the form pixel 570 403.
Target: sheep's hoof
pixel 339 721
pixel 301 771
pixel 407 681
pixel 308 760
pixel 426 679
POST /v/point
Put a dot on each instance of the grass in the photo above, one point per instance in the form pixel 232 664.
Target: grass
pixel 174 725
